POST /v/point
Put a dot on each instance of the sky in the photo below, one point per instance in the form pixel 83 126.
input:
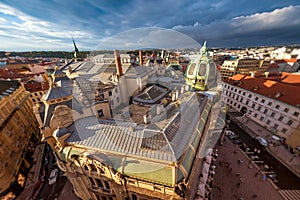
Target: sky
pixel 35 25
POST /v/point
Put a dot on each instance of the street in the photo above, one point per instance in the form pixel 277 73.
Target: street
pixel 50 192
pixel 285 178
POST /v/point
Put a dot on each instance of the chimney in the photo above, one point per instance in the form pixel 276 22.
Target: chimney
pixel 118 63
pixel 141 57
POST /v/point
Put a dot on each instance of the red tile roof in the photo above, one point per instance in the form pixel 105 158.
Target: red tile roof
pixel 287 92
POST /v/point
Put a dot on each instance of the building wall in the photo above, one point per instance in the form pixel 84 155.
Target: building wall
pixel 37 96
pixel 278 117
pixel 243 66
pixel 19 131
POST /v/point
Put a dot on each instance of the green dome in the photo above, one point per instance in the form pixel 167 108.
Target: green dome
pixel 201 70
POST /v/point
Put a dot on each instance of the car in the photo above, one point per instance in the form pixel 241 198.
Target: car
pixel 271 176
pixel 228 132
pixel 233 137
pixel 237 141
pixel 53 176
pixel 262 141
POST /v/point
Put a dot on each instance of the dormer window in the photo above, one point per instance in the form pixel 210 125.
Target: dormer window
pixel 278 94
pixel 192 69
pixel 256 88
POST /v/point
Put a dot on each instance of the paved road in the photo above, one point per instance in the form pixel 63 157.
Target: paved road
pixel 286 178
pixel 50 192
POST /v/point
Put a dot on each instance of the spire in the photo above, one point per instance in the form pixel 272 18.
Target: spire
pixel 203 48
pixel 75 48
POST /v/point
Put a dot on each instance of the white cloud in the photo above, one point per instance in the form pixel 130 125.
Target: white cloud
pixel 32 32
pixel 2 20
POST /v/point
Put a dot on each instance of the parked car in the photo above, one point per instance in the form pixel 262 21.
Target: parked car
pixel 262 141
pixel 272 176
pixel 53 176
pixel 237 141
pixel 233 137
pixel 228 132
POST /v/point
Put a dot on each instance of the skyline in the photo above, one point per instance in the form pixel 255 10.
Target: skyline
pixel 35 25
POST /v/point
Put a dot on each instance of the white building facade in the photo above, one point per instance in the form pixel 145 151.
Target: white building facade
pixel 280 118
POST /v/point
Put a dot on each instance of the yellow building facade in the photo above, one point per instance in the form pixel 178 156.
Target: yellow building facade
pixel 19 134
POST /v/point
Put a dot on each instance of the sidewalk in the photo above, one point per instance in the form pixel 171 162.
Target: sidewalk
pixel 67 192
pixel 239 180
pixel 33 175
pixel 279 151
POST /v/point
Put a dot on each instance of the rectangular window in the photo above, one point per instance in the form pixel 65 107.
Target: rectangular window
pixel 261 118
pixel 284 130
pixel 280 118
pixel 249 95
pixel 259 108
pixel 109 93
pixel 272 114
pixel 255 115
pixel 100 113
pixel 290 122
pixel 263 101
pixel 270 103
pixel 296 114
pixel 92 182
pixel 99 183
pixel 256 98
pixel 286 110
pixel 277 106
pixel 106 185
pixel 268 122
pixel 265 111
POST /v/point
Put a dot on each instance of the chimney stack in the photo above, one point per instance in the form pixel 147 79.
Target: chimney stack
pixel 118 63
pixel 141 57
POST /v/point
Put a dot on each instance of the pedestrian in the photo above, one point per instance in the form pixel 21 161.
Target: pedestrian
pixel 241 179
pixel 254 196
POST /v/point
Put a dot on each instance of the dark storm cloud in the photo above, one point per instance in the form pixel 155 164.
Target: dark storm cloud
pixel 50 24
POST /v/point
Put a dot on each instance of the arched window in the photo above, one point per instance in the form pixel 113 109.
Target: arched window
pixel 212 69
pixel 86 168
pixel 202 69
pixel 192 69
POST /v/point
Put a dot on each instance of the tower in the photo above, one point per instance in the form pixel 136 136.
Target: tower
pixel 75 50
pixel 201 71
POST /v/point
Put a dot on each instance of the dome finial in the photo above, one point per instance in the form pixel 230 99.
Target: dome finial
pixel 203 48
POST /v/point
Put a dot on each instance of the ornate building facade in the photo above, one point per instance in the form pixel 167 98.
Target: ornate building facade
pixel 19 135
pixel 145 146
